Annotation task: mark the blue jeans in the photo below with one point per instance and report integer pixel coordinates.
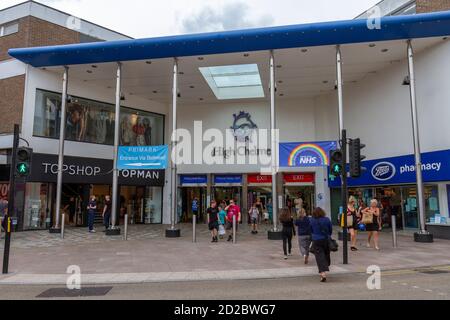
(91, 216)
(106, 219)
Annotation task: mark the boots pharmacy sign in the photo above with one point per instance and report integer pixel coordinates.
(306, 154)
(402, 170)
(142, 158)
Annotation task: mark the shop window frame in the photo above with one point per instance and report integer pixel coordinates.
(101, 102)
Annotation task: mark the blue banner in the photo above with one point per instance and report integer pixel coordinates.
(193, 179)
(400, 170)
(225, 179)
(306, 154)
(142, 158)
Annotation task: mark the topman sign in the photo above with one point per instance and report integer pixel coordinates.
(90, 171)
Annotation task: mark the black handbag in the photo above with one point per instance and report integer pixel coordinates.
(332, 244)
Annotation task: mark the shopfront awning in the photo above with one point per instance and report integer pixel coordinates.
(284, 37)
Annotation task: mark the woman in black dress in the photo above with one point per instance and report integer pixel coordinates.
(352, 222)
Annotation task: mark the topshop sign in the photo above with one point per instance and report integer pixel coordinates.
(402, 170)
(90, 171)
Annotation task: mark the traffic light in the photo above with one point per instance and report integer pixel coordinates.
(23, 161)
(356, 158)
(336, 165)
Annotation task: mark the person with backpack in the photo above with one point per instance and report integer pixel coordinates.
(288, 231)
(303, 224)
(321, 230)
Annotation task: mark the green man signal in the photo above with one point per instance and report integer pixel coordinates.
(336, 166)
(23, 166)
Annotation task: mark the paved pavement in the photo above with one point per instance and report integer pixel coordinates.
(42, 258)
(398, 285)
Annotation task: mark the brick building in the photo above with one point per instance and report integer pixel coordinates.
(31, 24)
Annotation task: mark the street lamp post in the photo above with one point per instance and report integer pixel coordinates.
(113, 231)
(423, 235)
(62, 136)
(273, 234)
(343, 138)
(173, 232)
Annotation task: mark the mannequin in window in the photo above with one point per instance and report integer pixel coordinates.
(139, 130)
(148, 132)
(126, 132)
(101, 126)
(76, 122)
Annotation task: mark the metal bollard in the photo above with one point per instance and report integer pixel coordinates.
(234, 229)
(394, 231)
(125, 232)
(63, 222)
(194, 228)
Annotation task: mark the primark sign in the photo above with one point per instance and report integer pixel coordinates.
(402, 170)
(78, 170)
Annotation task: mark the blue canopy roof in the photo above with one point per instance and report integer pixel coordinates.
(295, 36)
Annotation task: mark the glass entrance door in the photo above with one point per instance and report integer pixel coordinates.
(188, 196)
(306, 193)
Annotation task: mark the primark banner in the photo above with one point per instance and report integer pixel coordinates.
(401, 170)
(79, 170)
(306, 154)
(143, 158)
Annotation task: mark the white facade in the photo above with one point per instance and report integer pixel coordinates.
(377, 109)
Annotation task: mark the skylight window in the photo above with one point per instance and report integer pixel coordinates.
(234, 82)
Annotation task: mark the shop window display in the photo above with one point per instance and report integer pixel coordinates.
(37, 206)
(93, 121)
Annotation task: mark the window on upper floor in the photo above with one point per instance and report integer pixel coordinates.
(9, 28)
(93, 121)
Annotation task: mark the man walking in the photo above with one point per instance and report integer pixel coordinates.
(233, 210)
(107, 212)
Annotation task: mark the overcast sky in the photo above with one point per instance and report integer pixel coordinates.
(147, 18)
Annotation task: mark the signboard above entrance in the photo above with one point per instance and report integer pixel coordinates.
(259, 179)
(142, 158)
(292, 178)
(306, 154)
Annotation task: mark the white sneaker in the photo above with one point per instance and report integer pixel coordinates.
(285, 257)
(368, 245)
(92, 231)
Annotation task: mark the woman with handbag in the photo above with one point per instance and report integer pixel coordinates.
(321, 231)
(371, 220)
(352, 222)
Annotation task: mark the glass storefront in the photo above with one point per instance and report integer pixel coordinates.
(306, 193)
(93, 122)
(401, 201)
(228, 193)
(37, 210)
(188, 195)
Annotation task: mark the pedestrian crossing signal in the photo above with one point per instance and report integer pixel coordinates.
(23, 158)
(22, 168)
(336, 166)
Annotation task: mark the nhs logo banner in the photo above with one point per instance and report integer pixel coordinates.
(306, 154)
(399, 170)
(142, 158)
